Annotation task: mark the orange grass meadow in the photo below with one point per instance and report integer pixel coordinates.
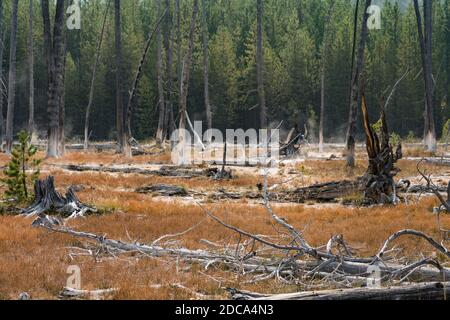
(36, 260)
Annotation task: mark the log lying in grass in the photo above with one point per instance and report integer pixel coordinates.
(420, 291)
(47, 199)
(74, 294)
(165, 171)
(164, 190)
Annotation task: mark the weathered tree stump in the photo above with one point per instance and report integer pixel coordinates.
(47, 199)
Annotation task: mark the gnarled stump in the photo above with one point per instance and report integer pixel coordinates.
(47, 199)
(379, 178)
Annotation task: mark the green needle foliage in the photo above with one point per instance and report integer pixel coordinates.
(23, 169)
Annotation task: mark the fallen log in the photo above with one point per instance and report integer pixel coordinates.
(420, 291)
(165, 171)
(47, 199)
(75, 294)
(164, 190)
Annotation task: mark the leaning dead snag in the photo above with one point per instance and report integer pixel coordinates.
(47, 199)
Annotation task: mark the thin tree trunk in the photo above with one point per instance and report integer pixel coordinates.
(12, 79)
(426, 46)
(94, 73)
(31, 72)
(2, 92)
(260, 65)
(62, 103)
(355, 97)
(120, 123)
(169, 124)
(187, 71)
(179, 57)
(137, 78)
(159, 68)
(209, 116)
(325, 50)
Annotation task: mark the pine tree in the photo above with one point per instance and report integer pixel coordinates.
(23, 160)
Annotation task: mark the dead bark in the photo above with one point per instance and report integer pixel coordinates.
(379, 178)
(355, 97)
(120, 122)
(186, 73)
(205, 36)
(54, 52)
(425, 39)
(164, 190)
(181, 172)
(94, 73)
(137, 78)
(169, 121)
(421, 291)
(75, 294)
(31, 70)
(264, 123)
(325, 49)
(12, 78)
(2, 83)
(159, 69)
(48, 200)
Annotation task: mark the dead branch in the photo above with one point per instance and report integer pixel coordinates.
(421, 291)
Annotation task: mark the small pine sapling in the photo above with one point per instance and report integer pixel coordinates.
(22, 170)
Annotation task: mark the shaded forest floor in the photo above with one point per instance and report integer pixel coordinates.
(35, 260)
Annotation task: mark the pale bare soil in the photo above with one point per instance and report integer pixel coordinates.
(35, 260)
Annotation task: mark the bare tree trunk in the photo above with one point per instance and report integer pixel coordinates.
(355, 97)
(137, 78)
(2, 92)
(205, 32)
(31, 72)
(120, 123)
(159, 67)
(55, 56)
(94, 73)
(426, 46)
(169, 122)
(179, 55)
(12, 79)
(187, 71)
(322, 76)
(62, 104)
(260, 65)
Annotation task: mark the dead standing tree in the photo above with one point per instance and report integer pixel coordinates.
(260, 64)
(120, 123)
(94, 73)
(324, 54)
(31, 71)
(186, 72)
(133, 91)
(425, 39)
(161, 94)
(12, 78)
(2, 83)
(205, 36)
(355, 97)
(55, 53)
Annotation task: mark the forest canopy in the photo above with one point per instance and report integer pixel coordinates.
(293, 48)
